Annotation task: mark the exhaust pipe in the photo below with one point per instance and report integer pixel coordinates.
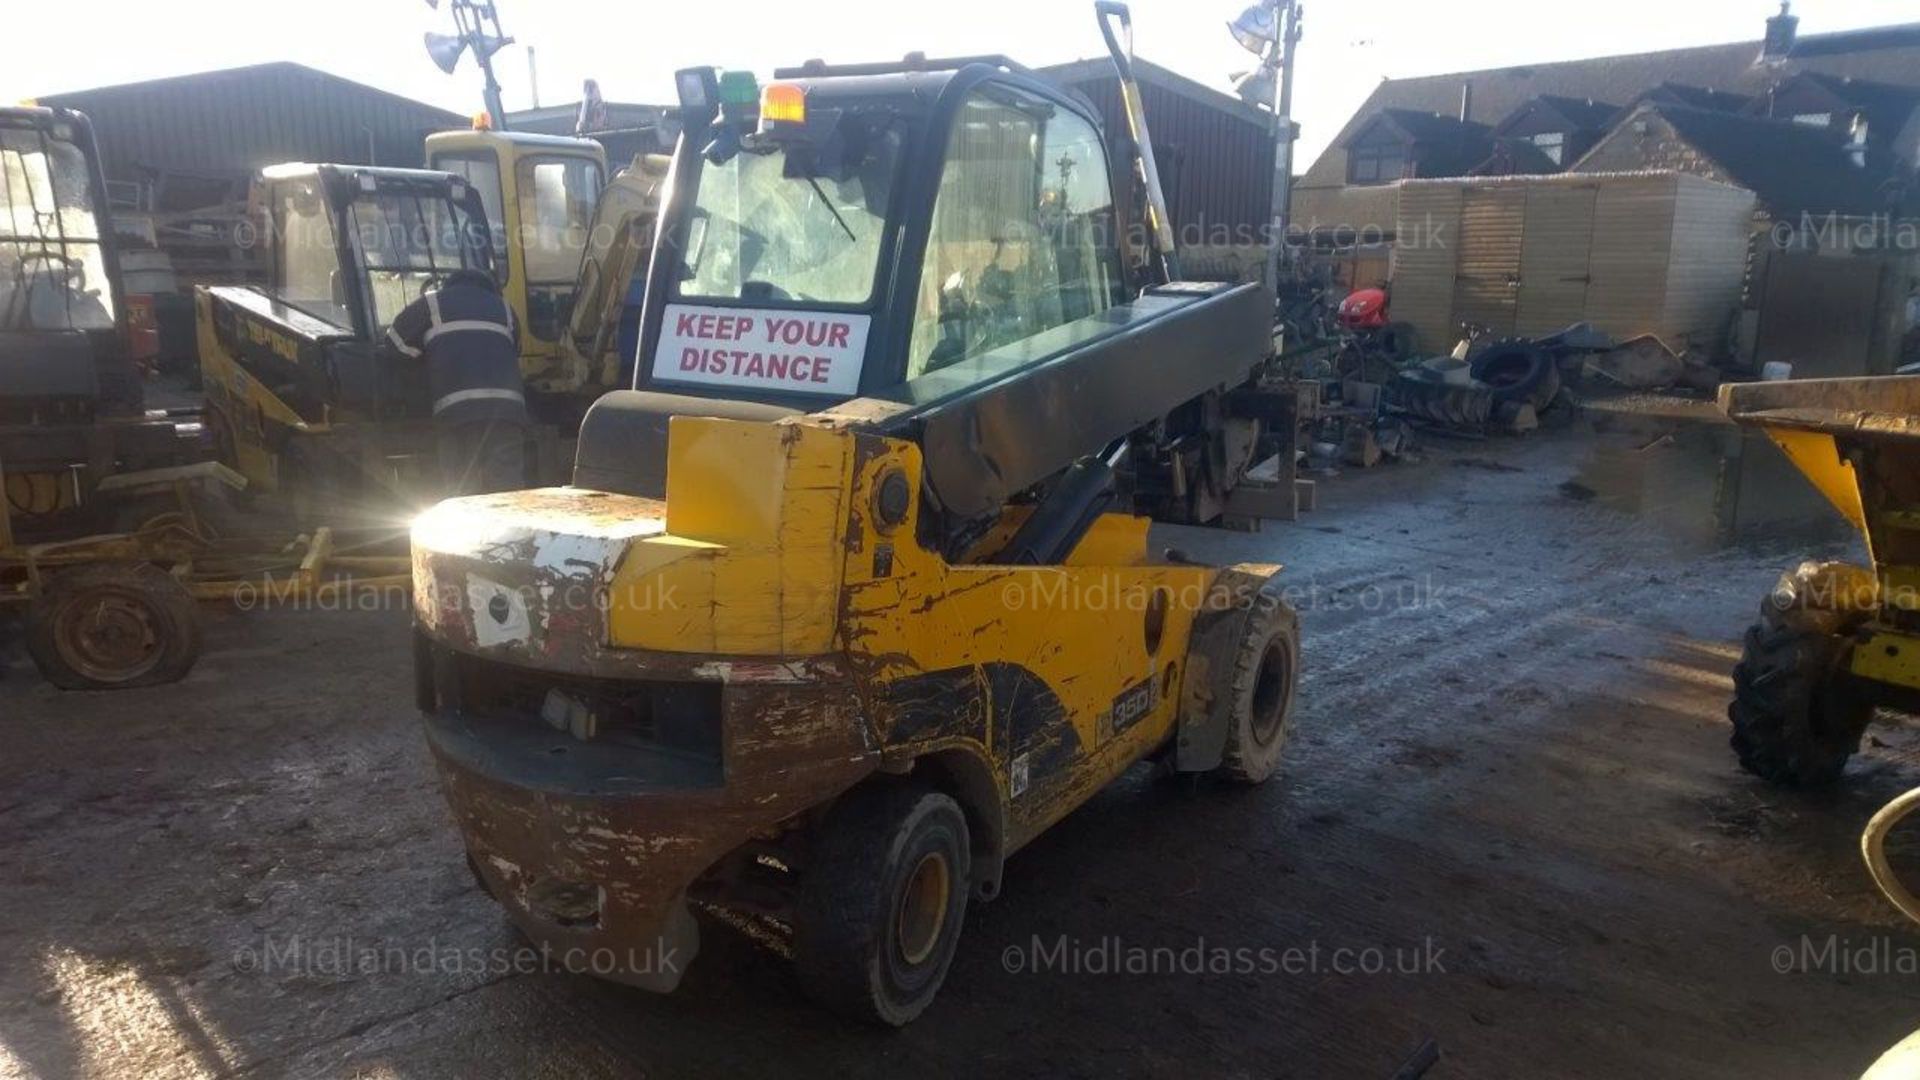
(1120, 45)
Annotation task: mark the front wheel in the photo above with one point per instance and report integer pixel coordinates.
(113, 626)
(1795, 721)
(1266, 672)
(881, 903)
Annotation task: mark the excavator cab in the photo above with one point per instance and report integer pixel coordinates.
(539, 193)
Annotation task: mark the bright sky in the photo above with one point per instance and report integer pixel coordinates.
(633, 47)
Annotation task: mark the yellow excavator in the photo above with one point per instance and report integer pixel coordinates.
(853, 595)
(306, 398)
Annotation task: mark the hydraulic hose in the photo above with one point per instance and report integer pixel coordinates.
(1873, 844)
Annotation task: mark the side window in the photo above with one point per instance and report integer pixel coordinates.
(483, 172)
(556, 211)
(1023, 231)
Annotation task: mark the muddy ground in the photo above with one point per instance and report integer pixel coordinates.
(1510, 787)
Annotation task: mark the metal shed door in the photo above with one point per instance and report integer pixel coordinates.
(1486, 283)
(1554, 257)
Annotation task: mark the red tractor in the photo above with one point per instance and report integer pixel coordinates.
(1373, 346)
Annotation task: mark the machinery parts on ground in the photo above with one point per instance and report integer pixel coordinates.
(116, 610)
(1834, 641)
(1372, 347)
(1503, 383)
(847, 604)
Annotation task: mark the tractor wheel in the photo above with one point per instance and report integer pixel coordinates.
(113, 626)
(1794, 723)
(1519, 371)
(881, 903)
(1265, 673)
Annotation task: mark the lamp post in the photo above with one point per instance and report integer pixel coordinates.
(478, 26)
(1270, 29)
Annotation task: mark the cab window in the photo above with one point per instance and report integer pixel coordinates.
(556, 196)
(306, 254)
(53, 270)
(483, 172)
(1022, 239)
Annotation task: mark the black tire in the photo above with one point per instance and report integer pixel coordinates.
(1266, 672)
(1795, 722)
(870, 942)
(113, 626)
(1518, 371)
(1400, 342)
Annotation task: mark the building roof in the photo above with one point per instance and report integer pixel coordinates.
(1698, 97)
(1515, 157)
(1792, 168)
(232, 122)
(1100, 69)
(620, 116)
(251, 73)
(1889, 53)
(1886, 106)
(1585, 114)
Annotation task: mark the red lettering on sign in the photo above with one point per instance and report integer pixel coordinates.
(839, 340)
(820, 366)
(777, 366)
(684, 325)
(689, 358)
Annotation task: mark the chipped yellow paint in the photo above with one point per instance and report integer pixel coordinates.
(1888, 656)
(242, 402)
(1817, 456)
(750, 564)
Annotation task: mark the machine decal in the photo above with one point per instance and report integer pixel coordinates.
(1131, 705)
(805, 351)
(499, 614)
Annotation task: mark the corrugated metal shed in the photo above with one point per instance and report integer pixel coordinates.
(236, 121)
(1215, 152)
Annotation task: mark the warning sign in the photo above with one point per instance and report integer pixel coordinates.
(803, 351)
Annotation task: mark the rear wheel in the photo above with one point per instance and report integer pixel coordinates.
(1795, 720)
(113, 626)
(881, 903)
(1266, 672)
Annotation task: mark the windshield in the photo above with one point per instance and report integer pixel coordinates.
(766, 228)
(409, 240)
(53, 272)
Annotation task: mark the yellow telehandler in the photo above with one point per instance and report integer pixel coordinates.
(853, 595)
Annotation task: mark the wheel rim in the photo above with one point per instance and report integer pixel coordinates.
(109, 636)
(1272, 686)
(923, 908)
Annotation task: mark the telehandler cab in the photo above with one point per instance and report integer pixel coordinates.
(853, 596)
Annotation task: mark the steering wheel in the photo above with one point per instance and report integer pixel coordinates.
(76, 271)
